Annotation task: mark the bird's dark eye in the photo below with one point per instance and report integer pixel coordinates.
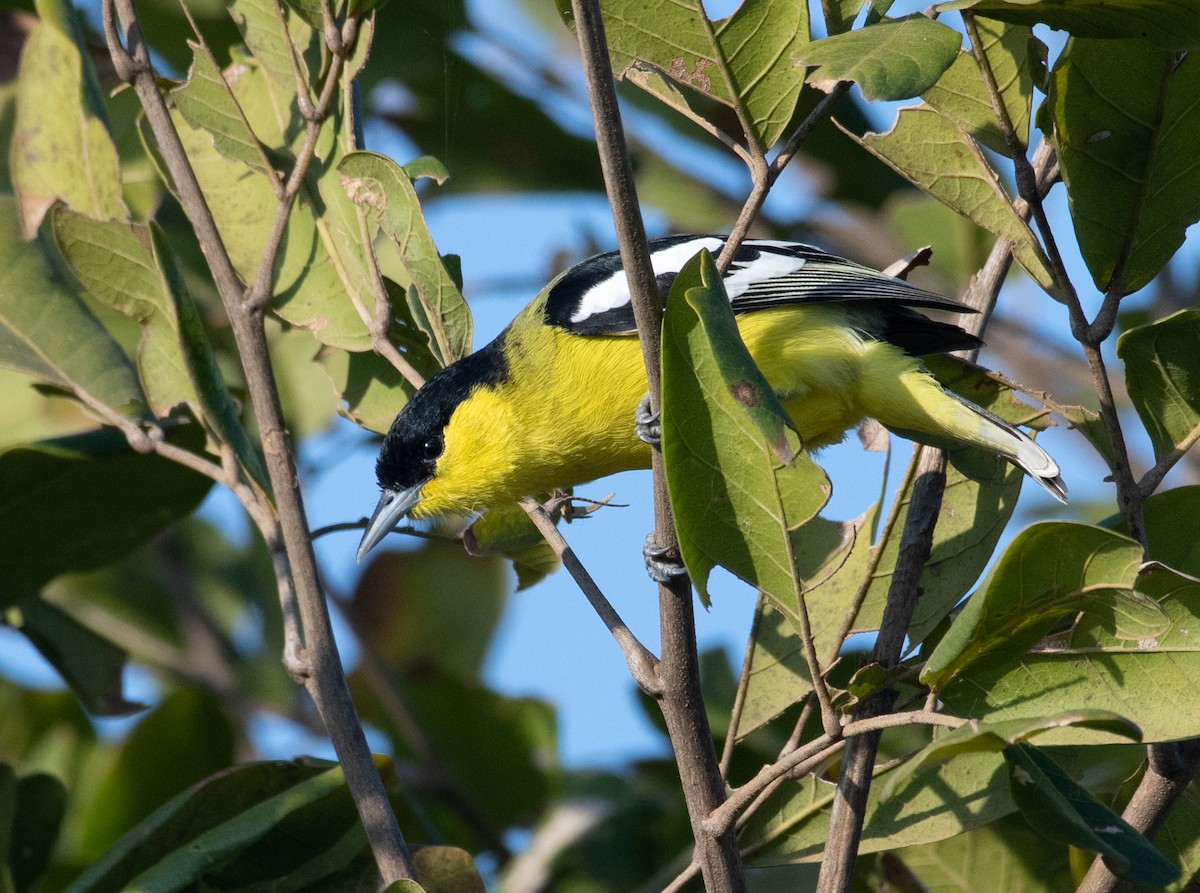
(432, 448)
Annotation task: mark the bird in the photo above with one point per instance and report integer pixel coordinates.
(550, 402)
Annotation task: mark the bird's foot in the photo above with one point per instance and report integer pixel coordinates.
(662, 565)
(647, 424)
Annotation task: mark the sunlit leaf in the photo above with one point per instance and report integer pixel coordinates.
(748, 59)
(1049, 571)
(1145, 680)
(47, 332)
(889, 60)
(385, 192)
(60, 120)
(931, 151)
(962, 96)
(1163, 379)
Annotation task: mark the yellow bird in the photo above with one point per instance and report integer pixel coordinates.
(550, 402)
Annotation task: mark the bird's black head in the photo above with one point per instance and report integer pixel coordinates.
(416, 439)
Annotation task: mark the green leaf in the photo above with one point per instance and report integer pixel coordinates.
(1162, 374)
(1050, 570)
(47, 332)
(1127, 106)
(383, 189)
(90, 664)
(207, 103)
(739, 485)
(41, 804)
(931, 151)
(79, 502)
(435, 606)
(833, 556)
(1004, 855)
(321, 273)
(130, 268)
(961, 95)
(973, 737)
(1144, 680)
(1173, 529)
(272, 43)
(889, 60)
(284, 825)
(61, 148)
(939, 802)
(1174, 24)
(191, 727)
(747, 60)
(1059, 809)
(447, 869)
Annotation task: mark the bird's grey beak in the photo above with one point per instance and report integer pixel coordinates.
(393, 505)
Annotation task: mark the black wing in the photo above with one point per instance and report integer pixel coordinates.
(592, 298)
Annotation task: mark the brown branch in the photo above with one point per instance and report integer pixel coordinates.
(849, 805)
(679, 697)
(326, 683)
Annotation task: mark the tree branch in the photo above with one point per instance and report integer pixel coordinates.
(679, 697)
(327, 683)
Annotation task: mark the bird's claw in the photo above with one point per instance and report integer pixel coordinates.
(662, 565)
(647, 424)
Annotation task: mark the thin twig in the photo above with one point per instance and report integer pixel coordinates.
(642, 663)
(326, 683)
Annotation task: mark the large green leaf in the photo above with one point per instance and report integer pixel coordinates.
(1059, 809)
(89, 663)
(889, 60)
(1145, 680)
(130, 268)
(747, 60)
(1174, 24)
(207, 103)
(962, 96)
(189, 726)
(435, 606)
(1004, 855)
(40, 802)
(740, 486)
(1127, 133)
(284, 825)
(940, 801)
(1049, 571)
(61, 147)
(47, 332)
(1162, 373)
(80, 502)
(935, 154)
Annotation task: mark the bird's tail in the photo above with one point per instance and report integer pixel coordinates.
(924, 411)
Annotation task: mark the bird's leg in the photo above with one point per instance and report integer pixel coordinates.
(647, 424)
(662, 565)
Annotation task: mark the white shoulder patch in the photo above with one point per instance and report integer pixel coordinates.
(613, 292)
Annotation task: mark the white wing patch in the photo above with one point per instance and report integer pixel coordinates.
(613, 292)
(768, 265)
